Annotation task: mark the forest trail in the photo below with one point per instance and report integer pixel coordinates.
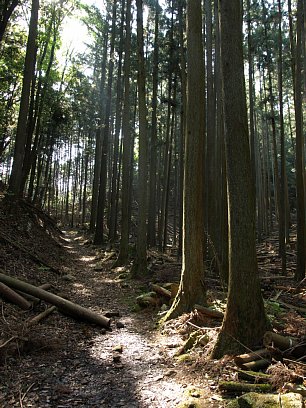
(73, 364)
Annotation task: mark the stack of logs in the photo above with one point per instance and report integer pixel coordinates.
(276, 348)
(26, 295)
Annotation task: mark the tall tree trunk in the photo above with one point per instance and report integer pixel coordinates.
(140, 263)
(192, 287)
(299, 156)
(282, 214)
(126, 153)
(115, 170)
(153, 145)
(15, 183)
(99, 136)
(99, 230)
(245, 303)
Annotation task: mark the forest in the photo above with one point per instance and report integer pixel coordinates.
(152, 203)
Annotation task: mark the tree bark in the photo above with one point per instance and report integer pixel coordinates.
(140, 264)
(126, 153)
(245, 303)
(15, 183)
(192, 288)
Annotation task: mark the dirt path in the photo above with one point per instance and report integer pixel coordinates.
(70, 364)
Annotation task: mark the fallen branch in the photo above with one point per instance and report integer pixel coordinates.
(65, 306)
(41, 316)
(8, 341)
(10, 295)
(209, 312)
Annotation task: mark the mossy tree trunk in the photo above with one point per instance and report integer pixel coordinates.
(245, 319)
(192, 288)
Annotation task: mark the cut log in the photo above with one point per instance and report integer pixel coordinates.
(65, 306)
(248, 357)
(238, 387)
(161, 291)
(209, 312)
(276, 340)
(10, 295)
(41, 316)
(256, 365)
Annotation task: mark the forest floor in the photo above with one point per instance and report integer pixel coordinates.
(66, 363)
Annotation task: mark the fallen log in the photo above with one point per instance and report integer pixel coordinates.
(253, 376)
(256, 365)
(10, 295)
(41, 316)
(31, 298)
(253, 356)
(209, 312)
(161, 291)
(271, 339)
(238, 387)
(65, 306)
(292, 307)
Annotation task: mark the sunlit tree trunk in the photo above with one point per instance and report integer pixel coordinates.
(99, 230)
(126, 152)
(245, 320)
(192, 287)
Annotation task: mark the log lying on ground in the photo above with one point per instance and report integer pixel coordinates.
(65, 306)
(161, 291)
(41, 316)
(209, 312)
(287, 345)
(31, 298)
(293, 307)
(238, 387)
(248, 357)
(13, 297)
(253, 376)
(276, 340)
(256, 365)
